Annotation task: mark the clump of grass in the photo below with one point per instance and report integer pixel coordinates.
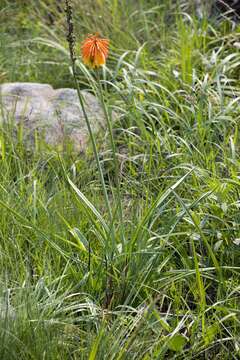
(172, 290)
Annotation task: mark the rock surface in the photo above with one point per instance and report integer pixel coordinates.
(52, 114)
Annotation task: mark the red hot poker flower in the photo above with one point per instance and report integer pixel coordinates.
(95, 51)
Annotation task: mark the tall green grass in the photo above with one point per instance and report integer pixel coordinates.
(165, 283)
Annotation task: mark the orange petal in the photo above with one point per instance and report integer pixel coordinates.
(99, 59)
(94, 50)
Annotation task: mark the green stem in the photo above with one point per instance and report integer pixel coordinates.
(115, 160)
(93, 143)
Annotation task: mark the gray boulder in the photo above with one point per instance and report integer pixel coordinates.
(53, 115)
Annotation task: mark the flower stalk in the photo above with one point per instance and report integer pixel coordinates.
(71, 44)
(115, 160)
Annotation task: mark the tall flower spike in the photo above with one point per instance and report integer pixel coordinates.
(70, 35)
(95, 51)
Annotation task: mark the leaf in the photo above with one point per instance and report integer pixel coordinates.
(218, 245)
(88, 205)
(158, 202)
(177, 342)
(211, 332)
(95, 346)
(80, 238)
(236, 241)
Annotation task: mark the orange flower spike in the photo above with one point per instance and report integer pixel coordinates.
(95, 51)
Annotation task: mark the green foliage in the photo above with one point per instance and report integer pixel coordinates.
(160, 280)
